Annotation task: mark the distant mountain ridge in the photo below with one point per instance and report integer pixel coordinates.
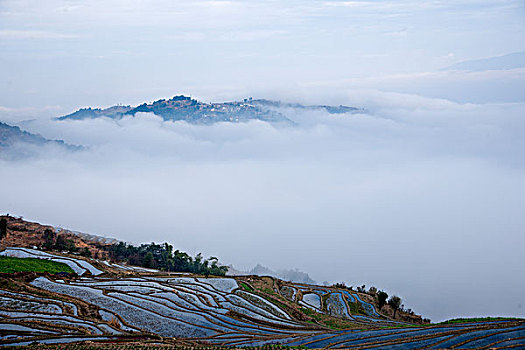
(292, 275)
(9, 135)
(22, 143)
(193, 111)
(512, 60)
(88, 113)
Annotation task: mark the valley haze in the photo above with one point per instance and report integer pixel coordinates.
(392, 198)
(418, 188)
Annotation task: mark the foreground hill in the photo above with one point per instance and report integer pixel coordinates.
(111, 302)
(193, 111)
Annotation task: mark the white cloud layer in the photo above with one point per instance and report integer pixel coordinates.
(34, 34)
(422, 197)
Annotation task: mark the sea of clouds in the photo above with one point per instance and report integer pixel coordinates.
(422, 197)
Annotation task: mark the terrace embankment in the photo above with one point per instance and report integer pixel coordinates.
(107, 304)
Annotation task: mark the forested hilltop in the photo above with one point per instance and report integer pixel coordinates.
(193, 111)
(163, 257)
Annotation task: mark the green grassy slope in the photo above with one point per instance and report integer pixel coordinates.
(10, 265)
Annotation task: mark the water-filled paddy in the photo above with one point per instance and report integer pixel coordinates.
(217, 310)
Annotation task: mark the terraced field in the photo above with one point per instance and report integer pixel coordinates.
(113, 303)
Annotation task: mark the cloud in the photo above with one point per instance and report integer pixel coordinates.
(248, 45)
(19, 114)
(417, 196)
(17, 34)
(397, 34)
(510, 61)
(228, 36)
(489, 86)
(251, 35)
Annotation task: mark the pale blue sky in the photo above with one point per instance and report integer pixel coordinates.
(65, 54)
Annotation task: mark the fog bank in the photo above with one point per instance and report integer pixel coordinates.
(421, 197)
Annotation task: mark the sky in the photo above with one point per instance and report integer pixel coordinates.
(421, 195)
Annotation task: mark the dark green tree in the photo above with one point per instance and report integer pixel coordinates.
(180, 261)
(148, 260)
(60, 243)
(49, 239)
(169, 248)
(3, 228)
(64, 244)
(86, 252)
(381, 298)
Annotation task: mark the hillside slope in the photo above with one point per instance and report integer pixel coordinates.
(111, 302)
